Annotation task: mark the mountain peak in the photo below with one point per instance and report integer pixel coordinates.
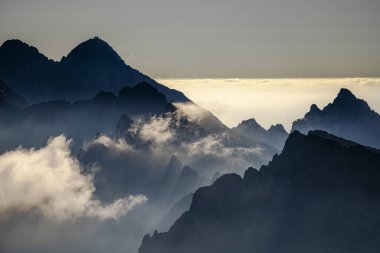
(95, 41)
(91, 66)
(250, 121)
(345, 93)
(19, 51)
(250, 124)
(277, 128)
(347, 116)
(275, 136)
(345, 96)
(314, 108)
(14, 43)
(347, 101)
(93, 49)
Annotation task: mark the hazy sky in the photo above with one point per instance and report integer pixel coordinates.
(210, 38)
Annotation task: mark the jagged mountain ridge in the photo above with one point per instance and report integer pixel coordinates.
(347, 117)
(276, 135)
(80, 119)
(318, 195)
(190, 128)
(90, 67)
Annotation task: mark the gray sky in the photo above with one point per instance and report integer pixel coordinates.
(210, 38)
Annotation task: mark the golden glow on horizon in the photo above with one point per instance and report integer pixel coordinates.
(271, 101)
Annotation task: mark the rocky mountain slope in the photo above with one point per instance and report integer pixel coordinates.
(321, 194)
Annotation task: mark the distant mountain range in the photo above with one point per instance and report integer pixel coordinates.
(347, 117)
(276, 135)
(321, 194)
(90, 67)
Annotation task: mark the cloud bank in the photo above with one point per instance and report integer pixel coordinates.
(49, 181)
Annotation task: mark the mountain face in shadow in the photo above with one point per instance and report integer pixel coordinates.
(347, 116)
(7, 95)
(79, 120)
(90, 67)
(321, 194)
(27, 71)
(276, 135)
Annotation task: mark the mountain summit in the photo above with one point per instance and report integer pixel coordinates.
(275, 135)
(94, 49)
(347, 116)
(90, 67)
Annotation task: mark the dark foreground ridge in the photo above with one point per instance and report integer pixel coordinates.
(321, 194)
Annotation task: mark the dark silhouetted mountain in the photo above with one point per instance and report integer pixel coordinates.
(275, 136)
(321, 194)
(27, 71)
(8, 95)
(347, 116)
(144, 97)
(82, 119)
(90, 67)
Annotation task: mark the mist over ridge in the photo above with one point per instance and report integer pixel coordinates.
(96, 156)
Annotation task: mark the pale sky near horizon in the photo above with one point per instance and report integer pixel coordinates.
(271, 101)
(210, 38)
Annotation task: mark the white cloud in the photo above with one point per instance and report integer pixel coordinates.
(192, 111)
(232, 159)
(156, 130)
(212, 144)
(119, 144)
(49, 180)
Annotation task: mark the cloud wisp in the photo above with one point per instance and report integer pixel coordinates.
(183, 134)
